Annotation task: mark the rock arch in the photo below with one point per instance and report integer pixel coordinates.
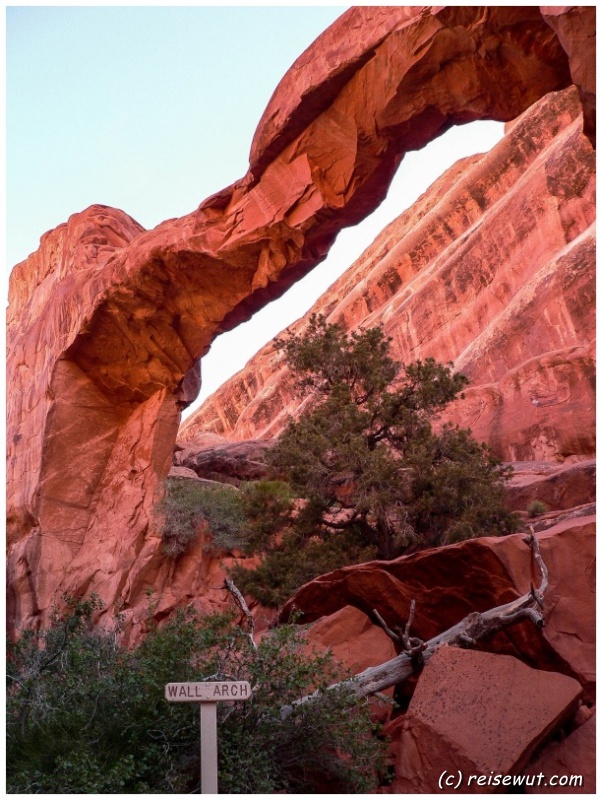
(107, 321)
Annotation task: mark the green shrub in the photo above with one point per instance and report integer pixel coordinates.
(536, 509)
(182, 516)
(223, 510)
(186, 504)
(268, 507)
(84, 715)
(290, 563)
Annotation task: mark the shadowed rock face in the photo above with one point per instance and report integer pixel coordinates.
(451, 582)
(107, 321)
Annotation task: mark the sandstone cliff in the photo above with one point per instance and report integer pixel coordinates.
(106, 321)
(493, 269)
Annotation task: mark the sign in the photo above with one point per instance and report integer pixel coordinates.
(207, 694)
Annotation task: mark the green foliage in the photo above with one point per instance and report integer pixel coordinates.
(182, 516)
(186, 504)
(458, 489)
(536, 508)
(267, 508)
(329, 741)
(223, 510)
(85, 715)
(291, 562)
(372, 474)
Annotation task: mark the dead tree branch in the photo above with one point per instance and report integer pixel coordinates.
(466, 633)
(394, 635)
(412, 646)
(242, 605)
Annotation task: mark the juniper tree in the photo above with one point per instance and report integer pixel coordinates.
(373, 473)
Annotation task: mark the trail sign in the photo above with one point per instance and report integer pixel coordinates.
(208, 694)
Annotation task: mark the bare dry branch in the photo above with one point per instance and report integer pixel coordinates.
(411, 645)
(391, 634)
(242, 605)
(406, 633)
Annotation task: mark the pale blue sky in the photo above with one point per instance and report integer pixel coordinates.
(147, 109)
(153, 109)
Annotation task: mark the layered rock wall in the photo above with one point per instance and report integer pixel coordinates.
(106, 321)
(493, 269)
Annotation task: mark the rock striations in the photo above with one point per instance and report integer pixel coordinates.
(492, 268)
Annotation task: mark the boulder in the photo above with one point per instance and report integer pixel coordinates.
(353, 639)
(448, 583)
(475, 719)
(231, 462)
(183, 472)
(567, 766)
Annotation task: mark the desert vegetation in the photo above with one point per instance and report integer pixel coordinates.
(536, 508)
(186, 504)
(366, 471)
(372, 475)
(86, 715)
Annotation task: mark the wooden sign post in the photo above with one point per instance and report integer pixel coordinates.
(208, 694)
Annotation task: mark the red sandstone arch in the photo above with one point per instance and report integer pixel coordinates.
(107, 321)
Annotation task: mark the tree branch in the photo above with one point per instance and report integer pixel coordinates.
(390, 633)
(339, 526)
(241, 603)
(412, 646)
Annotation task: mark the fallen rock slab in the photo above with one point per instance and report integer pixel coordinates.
(475, 718)
(448, 583)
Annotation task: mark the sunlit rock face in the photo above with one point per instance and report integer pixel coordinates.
(107, 321)
(493, 269)
(453, 722)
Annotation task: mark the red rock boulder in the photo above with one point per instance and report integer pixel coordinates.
(450, 582)
(474, 720)
(353, 639)
(569, 765)
(230, 462)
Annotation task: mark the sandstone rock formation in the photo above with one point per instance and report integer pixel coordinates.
(575, 756)
(106, 321)
(449, 583)
(493, 268)
(579, 42)
(477, 714)
(558, 487)
(354, 640)
(228, 462)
